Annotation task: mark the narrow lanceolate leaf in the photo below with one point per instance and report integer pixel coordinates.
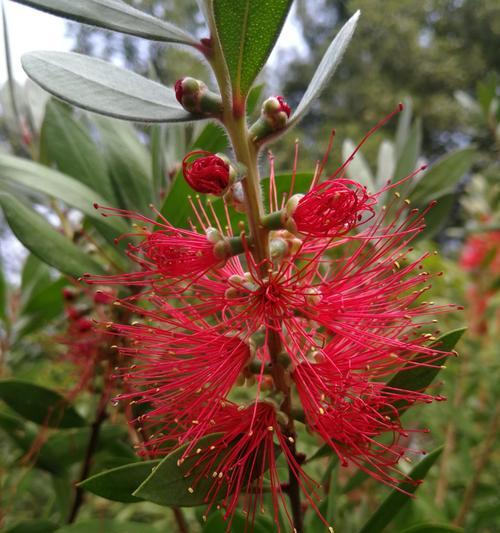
(114, 15)
(247, 30)
(358, 169)
(418, 378)
(129, 163)
(101, 87)
(171, 484)
(44, 241)
(66, 143)
(443, 177)
(397, 499)
(39, 178)
(119, 483)
(39, 404)
(326, 68)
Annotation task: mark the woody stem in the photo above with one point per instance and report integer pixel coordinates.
(247, 154)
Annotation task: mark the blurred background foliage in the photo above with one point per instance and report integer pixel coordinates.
(441, 58)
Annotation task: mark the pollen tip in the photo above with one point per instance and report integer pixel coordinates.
(401, 106)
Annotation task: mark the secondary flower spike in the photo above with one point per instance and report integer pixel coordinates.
(207, 173)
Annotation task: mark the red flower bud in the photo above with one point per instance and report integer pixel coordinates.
(207, 173)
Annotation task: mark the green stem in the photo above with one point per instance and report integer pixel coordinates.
(247, 154)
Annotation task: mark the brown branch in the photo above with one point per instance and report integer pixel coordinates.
(100, 417)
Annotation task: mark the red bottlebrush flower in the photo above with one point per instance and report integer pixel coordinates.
(242, 455)
(331, 209)
(206, 173)
(335, 316)
(184, 370)
(169, 252)
(482, 251)
(348, 406)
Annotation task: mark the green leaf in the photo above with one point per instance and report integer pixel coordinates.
(114, 15)
(437, 217)
(433, 528)
(65, 448)
(404, 125)
(169, 485)
(65, 142)
(158, 166)
(386, 163)
(39, 178)
(33, 526)
(396, 500)
(326, 68)
(217, 524)
(118, 484)
(248, 30)
(442, 177)
(358, 169)
(107, 526)
(418, 378)
(44, 241)
(39, 404)
(101, 87)
(410, 152)
(129, 163)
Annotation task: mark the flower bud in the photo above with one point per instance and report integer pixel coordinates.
(195, 97)
(207, 173)
(274, 116)
(276, 112)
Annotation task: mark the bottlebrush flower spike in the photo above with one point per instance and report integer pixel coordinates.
(169, 252)
(207, 173)
(302, 323)
(331, 209)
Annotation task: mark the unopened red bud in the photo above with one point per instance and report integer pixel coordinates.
(207, 173)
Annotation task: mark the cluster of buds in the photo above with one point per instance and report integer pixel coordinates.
(324, 318)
